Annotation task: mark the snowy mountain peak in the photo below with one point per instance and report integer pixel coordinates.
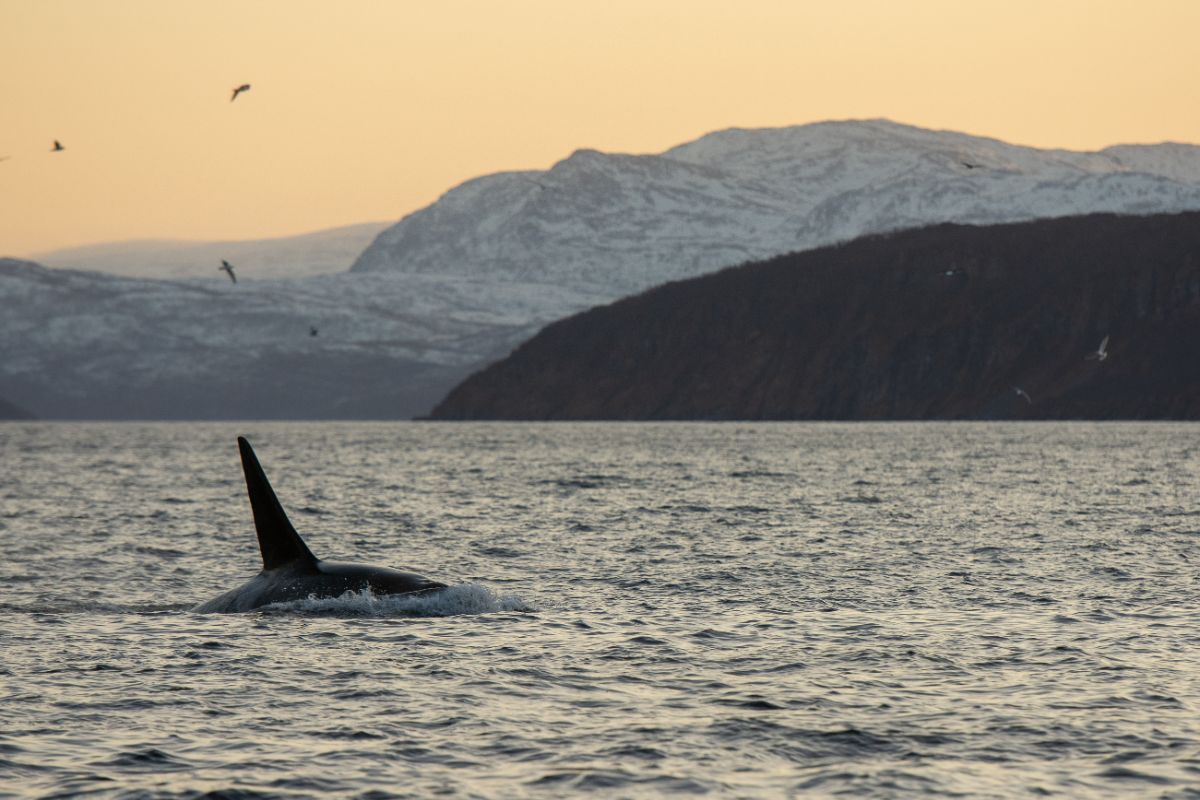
(619, 223)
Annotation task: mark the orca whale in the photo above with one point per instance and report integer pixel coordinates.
(290, 570)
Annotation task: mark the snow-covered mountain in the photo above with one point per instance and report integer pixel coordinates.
(622, 223)
(318, 253)
(459, 283)
(90, 345)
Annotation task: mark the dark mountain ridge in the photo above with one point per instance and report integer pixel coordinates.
(934, 323)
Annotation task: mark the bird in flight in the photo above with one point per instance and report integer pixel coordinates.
(245, 87)
(57, 146)
(228, 268)
(1101, 351)
(1019, 392)
(312, 331)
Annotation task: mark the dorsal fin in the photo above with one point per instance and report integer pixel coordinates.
(277, 539)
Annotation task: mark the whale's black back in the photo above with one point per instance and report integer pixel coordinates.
(290, 570)
(277, 539)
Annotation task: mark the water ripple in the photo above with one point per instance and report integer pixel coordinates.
(636, 610)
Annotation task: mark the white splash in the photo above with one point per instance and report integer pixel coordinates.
(461, 599)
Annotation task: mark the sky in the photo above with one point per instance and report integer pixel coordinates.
(366, 110)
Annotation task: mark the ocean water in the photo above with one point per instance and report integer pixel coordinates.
(637, 610)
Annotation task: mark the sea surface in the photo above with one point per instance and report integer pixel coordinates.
(637, 610)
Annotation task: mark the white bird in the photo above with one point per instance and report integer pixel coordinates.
(245, 87)
(227, 268)
(1101, 351)
(1022, 393)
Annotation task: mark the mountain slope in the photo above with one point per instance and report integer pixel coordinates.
(10, 411)
(318, 253)
(92, 346)
(619, 224)
(935, 323)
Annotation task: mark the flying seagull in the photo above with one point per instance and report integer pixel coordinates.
(1022, 393)
(228, 268)
(245, 87)
(1101, 351)
(57, 146)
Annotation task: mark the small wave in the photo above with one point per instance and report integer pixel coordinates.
(65, 606)
(198, 794)
(150, 550)
(495, 551)
(758, 473)
(753, 702)
(581, 481)
(1126, 774)
(643, 639)
(694, 508)
(150, 758)
(313, 511)
(609, 780)
(460, 600)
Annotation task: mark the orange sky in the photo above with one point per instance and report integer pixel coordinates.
(365, 110)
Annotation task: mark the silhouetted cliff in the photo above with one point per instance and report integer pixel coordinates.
(936, 323)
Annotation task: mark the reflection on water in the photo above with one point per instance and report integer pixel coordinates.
(638, 609)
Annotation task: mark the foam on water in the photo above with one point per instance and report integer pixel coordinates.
(461, 599)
